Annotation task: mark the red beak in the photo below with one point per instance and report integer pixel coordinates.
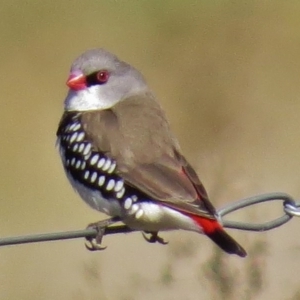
(76, 81)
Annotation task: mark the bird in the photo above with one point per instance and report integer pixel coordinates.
(122, 158)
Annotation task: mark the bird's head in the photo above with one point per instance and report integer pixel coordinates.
(99, 80)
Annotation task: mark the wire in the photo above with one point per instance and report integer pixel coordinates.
(66, 235)
(290, 209)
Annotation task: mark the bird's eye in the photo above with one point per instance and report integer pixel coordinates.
(96, 78)
(102, 76)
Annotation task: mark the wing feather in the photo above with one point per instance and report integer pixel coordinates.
(148, 157)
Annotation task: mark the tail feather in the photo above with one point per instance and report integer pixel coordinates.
(226, 242)
(214, 230)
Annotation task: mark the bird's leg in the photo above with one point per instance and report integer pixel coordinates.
(94, 243)
(154, 238)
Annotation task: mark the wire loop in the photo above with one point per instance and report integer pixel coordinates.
(290, 209)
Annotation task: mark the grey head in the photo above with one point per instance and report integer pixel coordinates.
(98, 80)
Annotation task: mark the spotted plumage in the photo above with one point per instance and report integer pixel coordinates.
(80, 161)
(91, 168)
(120, 155)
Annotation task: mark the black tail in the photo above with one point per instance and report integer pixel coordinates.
(226, 242)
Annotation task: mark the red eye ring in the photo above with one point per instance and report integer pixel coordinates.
(102, 76)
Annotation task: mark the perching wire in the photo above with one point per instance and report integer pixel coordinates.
(290, 209)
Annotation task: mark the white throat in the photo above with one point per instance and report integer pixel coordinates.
(88, 99)
(99, 97)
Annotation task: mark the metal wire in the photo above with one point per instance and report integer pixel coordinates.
(66, 235)
(290, 209)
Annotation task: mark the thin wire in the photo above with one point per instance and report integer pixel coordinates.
(290, 209)
(66, 235)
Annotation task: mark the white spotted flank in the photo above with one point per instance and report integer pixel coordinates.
(101, 163)
(119, 185)
(106, 165)
(86, 174)
(127, 203)
(101, 180)
(73, 137)
(94, 159)
(120, 194)
(87, 149)
(94, 177)
(80, 137)
(110, 185)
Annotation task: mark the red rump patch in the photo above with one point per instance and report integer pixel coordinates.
(208, 225)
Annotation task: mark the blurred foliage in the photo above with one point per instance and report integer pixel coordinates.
(226, 72)
(221, 276)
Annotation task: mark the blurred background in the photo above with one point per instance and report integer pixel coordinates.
(227, 74)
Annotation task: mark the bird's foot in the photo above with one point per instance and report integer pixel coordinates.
(94, 242)
(154, 238)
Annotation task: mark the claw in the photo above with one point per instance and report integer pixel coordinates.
(154, 238)
(94, 243)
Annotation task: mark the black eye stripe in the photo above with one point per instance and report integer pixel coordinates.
(92, 79)
(95, 79)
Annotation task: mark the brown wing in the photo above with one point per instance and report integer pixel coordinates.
(136, 134)
(174, 184)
